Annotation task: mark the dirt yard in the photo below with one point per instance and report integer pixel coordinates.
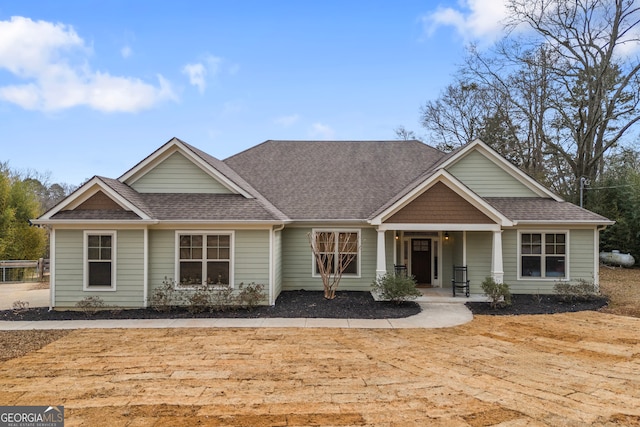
(571, 369)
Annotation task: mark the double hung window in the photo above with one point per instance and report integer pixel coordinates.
(100, 261)
(543, 255)
(204, 259)
(336, 250)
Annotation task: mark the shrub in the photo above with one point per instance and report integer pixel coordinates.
(164, 298)
(498, 293)
(580, 291)
(251, 295)
(222, 298)
(199, 300)
(20, 306)
(396, 287)
(90, 305)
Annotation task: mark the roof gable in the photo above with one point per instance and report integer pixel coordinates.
(99, 198)
(176, 173)
(439, 205)
(490, 175)
(456, 195)
(203, 175)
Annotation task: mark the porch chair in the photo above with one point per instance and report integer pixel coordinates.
(460, 280)
(400, 270)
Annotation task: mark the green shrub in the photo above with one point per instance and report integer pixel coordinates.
(498, 293)
(396, 287)
(90, 305)
(580, 291)
(251, 295)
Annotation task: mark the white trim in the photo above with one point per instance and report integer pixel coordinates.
(596, 258)
(504, 164)
(464, 247)
(381, 254)
(545, 278)
(85, 260)
(145, 271)
(176, 146)
(358, 231)
(271, 266)
(444, 177)
(439, 227)
(230, 233)
(81, 195)
(52, 269)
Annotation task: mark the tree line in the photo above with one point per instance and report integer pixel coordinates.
(558, 97)
(24, 196)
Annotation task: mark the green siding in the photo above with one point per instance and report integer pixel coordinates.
(177, 174)
(486, 179)
(129, 270)
(479, 247)
(581, 262)
(251, 257)
(297, 261)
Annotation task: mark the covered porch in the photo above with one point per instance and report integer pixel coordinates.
(429, 253)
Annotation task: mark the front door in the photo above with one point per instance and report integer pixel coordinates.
(421, 260)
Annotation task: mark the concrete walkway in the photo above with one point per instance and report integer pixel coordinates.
(439, 310)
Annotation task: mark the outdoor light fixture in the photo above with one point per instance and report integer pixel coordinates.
(446, 235)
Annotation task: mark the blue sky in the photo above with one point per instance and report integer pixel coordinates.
(91, 87)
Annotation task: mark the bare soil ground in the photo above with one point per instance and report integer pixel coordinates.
(569, 369)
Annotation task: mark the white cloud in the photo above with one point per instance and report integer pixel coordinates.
(126, 51)
(287, 121)
(319, 130)
(477, 20)
(52, 59)
(200, 72)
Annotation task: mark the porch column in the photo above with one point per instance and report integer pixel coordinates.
(381, 259)
(497, 270)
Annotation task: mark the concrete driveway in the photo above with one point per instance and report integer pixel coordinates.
(29, 292)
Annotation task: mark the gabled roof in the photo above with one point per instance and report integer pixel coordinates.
(332, 180)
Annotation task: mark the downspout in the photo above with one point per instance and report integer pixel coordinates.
(52, 268)
(145, 270)
(272, 278)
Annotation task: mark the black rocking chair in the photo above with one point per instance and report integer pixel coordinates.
(460, 280)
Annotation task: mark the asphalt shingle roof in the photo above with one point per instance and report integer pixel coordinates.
(332, 179)
(541, 209)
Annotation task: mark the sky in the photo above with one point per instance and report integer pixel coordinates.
(91, 87)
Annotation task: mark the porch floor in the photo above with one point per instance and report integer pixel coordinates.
(445, 295)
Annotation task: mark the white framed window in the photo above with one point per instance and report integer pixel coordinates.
(99, 260)
(336, 247)
(543, 254)
(204, 258)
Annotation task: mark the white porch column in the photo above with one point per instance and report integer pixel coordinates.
(497, 270)
(381, 258)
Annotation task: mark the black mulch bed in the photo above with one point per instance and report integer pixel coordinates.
(538, 304)
(346, 304)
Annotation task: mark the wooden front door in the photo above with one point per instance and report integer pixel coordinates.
(421, 260)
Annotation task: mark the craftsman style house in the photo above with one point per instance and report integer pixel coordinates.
(182, 214)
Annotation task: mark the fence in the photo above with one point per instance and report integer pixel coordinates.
(23, 270)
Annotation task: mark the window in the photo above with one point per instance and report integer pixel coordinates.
(204, 259)
(332, 245)
(543, 255)
(99, 261)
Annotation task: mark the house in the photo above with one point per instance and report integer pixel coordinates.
(182, 214)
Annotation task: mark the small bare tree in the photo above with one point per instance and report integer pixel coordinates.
(334, 252)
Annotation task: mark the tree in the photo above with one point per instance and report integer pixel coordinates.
(562, 95)
(334, 253)
(18, 204)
